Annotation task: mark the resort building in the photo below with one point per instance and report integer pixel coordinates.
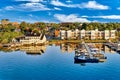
(33, 39)
(91, 34)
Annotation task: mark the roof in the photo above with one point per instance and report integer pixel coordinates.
(42, 37)
(33, 34)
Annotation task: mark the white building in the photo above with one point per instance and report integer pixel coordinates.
(33, 39)
(62, 34)
(106, 34)
(112, 34)
(82, 34)
(68, 34)
(91, 34)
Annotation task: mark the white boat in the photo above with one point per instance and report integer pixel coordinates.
(94, 50)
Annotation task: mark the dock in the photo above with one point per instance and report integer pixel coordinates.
(89, 56)
(113, 46)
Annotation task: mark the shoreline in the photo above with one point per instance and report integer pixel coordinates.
(56, 42)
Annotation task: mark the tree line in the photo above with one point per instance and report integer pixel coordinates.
(10, 31)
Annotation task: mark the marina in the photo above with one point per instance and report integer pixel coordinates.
(89, 54)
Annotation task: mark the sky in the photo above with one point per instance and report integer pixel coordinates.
(60, 10)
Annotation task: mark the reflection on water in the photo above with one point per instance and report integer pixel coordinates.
(67, 47)
(81, 53)
(56, 65)
(34, 50)
(89, 53)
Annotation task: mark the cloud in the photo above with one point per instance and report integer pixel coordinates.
(58, 3)
(0, 9)
(118, 8)
(108, 17)
(94, 5)
(34, 6)
(70, 18)
(88, 5)
(56, 8)
(31, 0)
(9, 8)
(68, 1)
(28, 7)
(30, 15)
(84, 16)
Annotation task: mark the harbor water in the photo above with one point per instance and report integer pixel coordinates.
(56, 62)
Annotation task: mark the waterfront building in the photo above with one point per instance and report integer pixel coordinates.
(57, 33)
(33, 39)
(93, 34)
(82, 34)
(76, 34)
(106, 34)
(90, 34)
(112, 34)
(69, 34)
(62, 34)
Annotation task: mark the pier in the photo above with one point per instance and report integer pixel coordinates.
(113, 46)
(92, 55)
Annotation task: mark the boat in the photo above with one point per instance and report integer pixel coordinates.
(94, 50)
(82, 57)
(89, 60)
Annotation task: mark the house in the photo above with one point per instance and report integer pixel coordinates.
(5, 21)
(57, 33)
(33, 39)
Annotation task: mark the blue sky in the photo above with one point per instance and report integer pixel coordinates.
(60, 10)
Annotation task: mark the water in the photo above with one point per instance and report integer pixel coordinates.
(55, 64)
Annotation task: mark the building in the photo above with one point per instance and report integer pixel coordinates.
(5, 21)
(106, 34)
(82, 34)
(91, 34)
(62, 34)
(33, 39)
(112, 34)
(57, 32)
